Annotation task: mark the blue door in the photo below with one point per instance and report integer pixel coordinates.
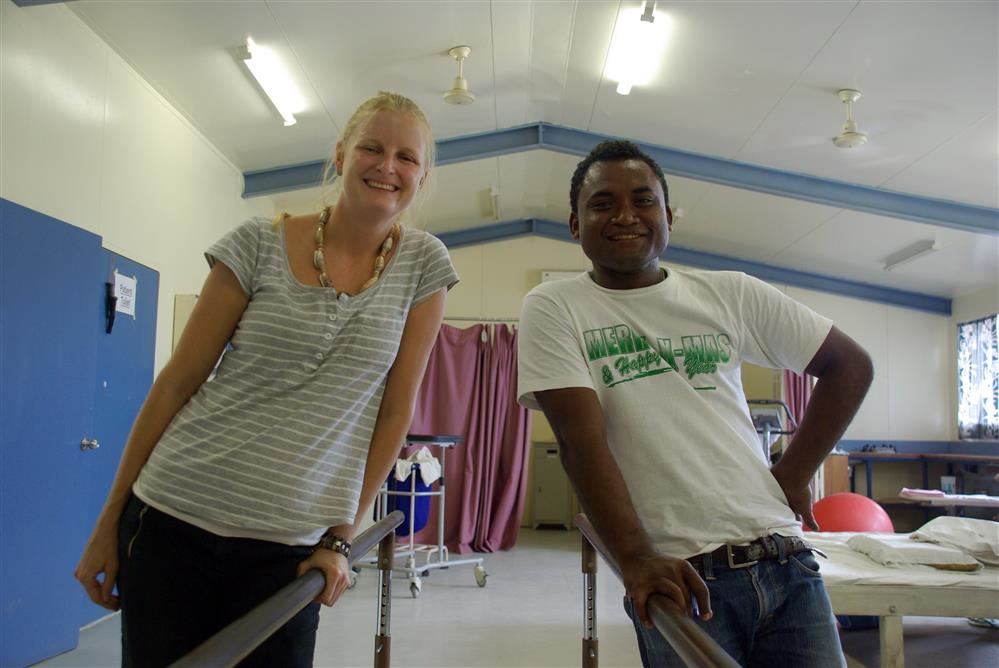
(48, 270)
(124, 374)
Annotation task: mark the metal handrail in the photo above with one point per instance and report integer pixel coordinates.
(695, 647)
(233, 643)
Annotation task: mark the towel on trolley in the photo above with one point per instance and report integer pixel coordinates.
(430, 468)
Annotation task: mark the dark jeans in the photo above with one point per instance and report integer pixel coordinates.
(179, 585)
(771, 615)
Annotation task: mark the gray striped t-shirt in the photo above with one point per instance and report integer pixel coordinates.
(275, 446)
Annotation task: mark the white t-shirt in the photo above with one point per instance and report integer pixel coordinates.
(665, 362)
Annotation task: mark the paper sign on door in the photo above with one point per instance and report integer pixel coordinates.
(124, 290)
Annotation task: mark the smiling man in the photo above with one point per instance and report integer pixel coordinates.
(638, 369)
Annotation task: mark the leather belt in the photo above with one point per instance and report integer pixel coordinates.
(744, 556)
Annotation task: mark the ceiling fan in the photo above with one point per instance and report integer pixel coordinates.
(850, 137)
(459, 93)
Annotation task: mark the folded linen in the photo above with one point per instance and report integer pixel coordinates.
(898, 550)
(908, 493)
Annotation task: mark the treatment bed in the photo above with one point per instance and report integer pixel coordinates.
(858, 585)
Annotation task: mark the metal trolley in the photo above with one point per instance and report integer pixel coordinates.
(435, 556)
(767, 420)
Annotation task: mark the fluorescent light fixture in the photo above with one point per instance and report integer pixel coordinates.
(910, 253)
(637, 47)
(274, 79)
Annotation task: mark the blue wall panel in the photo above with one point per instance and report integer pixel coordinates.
(48, 356)
(64, 380)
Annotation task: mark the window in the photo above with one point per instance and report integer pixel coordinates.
(978, 379)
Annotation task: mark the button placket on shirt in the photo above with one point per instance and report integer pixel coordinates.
(331, 329)
(334, 320)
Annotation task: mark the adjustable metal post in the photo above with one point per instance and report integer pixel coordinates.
(383, 639)
(590, 649)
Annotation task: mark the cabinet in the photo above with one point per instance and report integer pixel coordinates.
(552, 493)
(836, 474)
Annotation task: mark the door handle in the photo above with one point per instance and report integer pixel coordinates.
(89, 444)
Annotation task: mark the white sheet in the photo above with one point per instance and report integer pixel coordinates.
(845, 566)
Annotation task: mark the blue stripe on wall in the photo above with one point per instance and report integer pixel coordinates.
(854, 289)
(723, 171)
(985, 448)
(283, 179)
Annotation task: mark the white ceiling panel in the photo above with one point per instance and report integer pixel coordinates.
(298, 201)
(524, 184)
(854, 246)
(976, 182)
(686, 195)
(726, 65)
(557, 183)
(752, 81)
(927, 71)
(551, 32)
(511, 59)
(460, 198)
(748, 225)
(408, 52)
(591, 38)
(187, 52)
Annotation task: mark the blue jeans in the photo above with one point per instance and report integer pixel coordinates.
(179, 585)
(769, 615)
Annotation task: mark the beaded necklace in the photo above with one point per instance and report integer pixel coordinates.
(319, 258)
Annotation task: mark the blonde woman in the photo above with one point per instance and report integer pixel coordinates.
(227, 490)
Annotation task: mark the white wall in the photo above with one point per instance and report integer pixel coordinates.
(87, 141)
(911, 395)
(909, 398)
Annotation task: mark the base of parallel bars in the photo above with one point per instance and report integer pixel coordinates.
(591, 653)
(383, 650)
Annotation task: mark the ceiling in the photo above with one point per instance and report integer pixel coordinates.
(749, 82)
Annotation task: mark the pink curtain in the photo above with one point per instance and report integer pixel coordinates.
(470, 389)
(797, 392)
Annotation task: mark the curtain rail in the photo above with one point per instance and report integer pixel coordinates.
(233, 643)
(695, 647)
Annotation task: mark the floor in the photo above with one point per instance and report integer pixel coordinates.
(530, 614)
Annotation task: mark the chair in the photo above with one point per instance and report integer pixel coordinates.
(847, 511)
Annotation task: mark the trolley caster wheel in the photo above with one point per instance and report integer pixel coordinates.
(414, 588)
(480, 576)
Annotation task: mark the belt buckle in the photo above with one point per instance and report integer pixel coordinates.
(731, 561)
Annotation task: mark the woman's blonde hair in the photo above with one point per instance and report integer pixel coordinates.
(383, 101)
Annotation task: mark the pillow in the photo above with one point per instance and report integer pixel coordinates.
(979, 538)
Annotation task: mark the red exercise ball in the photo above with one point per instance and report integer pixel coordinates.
(847, 511)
